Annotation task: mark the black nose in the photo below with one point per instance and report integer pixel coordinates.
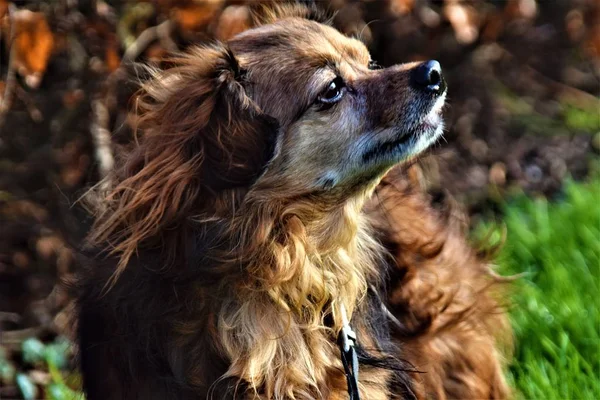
(428, 77)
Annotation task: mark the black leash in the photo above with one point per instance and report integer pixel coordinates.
(347, 343)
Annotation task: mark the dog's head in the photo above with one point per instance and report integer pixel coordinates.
(342, 120)
(291, 107)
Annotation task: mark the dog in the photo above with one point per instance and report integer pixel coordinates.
(270, 208)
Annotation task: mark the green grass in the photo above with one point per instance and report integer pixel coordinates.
(555, 306)
(571, 118)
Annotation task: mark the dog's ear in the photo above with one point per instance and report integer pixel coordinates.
(200, 135)
(200, 107)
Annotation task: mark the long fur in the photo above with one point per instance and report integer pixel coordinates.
(207, 277)
(447, 298)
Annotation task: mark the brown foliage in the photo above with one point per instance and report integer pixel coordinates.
(28, 35)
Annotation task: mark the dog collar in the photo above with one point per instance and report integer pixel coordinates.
(347, 342)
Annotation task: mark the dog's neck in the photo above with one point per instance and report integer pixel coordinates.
(302, 263)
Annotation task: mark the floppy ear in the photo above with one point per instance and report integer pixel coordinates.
(200, 135)
(200, 107)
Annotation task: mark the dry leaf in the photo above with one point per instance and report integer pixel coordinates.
(20, 259)
(195, 17)
(592, 41)
(516, 9)
(429, 17)
(592, 44)
(53, 247)
(74, 163)
(23, 209)
(40, 377)
(111, 57)
(100, 34)
(32, 44)
(72, 98)
(464, 20)
(156, 53)
(401, 7)
(3, 8)
(49, 246)
(233, 20)
(575, 25)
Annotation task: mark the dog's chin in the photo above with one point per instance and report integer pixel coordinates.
(424, 136)
(404, 144)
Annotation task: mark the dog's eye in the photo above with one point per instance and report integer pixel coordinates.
(334, 91)
(374, 65)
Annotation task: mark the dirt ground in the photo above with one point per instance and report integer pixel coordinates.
(523, 76)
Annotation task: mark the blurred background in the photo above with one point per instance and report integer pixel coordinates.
(520, 155)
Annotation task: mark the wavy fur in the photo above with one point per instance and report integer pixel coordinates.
(212, 276)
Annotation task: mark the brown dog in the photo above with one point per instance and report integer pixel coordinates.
(242, 227)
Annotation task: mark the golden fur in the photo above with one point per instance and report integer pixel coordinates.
(237, 227)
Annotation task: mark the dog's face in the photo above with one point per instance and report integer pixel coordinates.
(342, 123)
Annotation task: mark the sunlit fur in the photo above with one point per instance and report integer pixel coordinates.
(236, 227)
(445, 295)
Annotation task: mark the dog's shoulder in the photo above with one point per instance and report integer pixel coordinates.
(443, 293)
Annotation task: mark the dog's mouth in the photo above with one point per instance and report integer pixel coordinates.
(410, 142)
(387, 147)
